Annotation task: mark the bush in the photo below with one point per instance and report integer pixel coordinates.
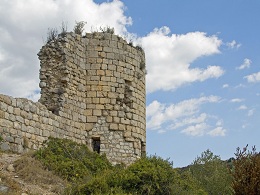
(70, 160)
(107, 30)
(52, 34)
(150, 175)
(187, 184)
(79, 27)
(212, 173)
(246, 172)
(91, 173)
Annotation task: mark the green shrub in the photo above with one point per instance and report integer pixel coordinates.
(70, 160)
(79, 27)
(212, 174)
(186, 184)
(246, 172)
(149, 175)
(91, 173)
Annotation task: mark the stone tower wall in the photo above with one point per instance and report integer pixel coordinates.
(94, 87)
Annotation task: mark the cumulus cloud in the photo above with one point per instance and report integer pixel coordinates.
(195, 130)
(253, 78)
(240, 86)
(236, 100)
(219, 123)
(218, 131)
(242, 107)
(189, 121)
(184, 116)
(233, 44)
(23, 28)
(169, 57)
(225, 86)
(24, 24)
(251, 112)
(246, 64)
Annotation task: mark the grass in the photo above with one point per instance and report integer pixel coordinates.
(32, 171)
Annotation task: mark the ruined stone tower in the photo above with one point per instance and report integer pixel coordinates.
(96, 84)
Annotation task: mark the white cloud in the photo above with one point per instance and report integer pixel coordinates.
(184, 116)
(169, 57)
(158, 113)
(219, 123)
(242, 107)
(233, 44)
(195, 130)
(225, 86)
(24, 23)
(236, 100)
(246, 64)
(188, 121)
(239, 86)
(253, 78)
(251, 112)
(161, 131)
(218, 131)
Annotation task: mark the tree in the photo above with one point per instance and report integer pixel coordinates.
(212, 174)
(246, 172)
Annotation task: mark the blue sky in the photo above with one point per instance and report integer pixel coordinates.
(202, 60)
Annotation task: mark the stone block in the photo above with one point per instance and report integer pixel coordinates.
(95, 66)
(116, 119)
(5, 99)
(91, 119)
(9, 139)
(17, 125)
(10, 109)
(109, 119)
(3, 106)
(113, 126)
(113, 113)
(18, 141)
(127, 134)
(5, 146)
(2, 114)
(97, 112)
(107, 49)
(110, 55)
(121, 127)
(46, 133)
(6, 123)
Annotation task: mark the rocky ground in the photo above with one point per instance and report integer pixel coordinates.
(23, 175)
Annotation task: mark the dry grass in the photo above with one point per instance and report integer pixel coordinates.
(13, 186)
(33, 172)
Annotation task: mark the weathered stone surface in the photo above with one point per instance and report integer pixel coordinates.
(92, 88)
(5, 146)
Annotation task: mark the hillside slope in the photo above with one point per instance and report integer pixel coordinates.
(21, 174)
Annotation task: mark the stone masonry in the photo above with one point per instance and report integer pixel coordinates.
(92, 92)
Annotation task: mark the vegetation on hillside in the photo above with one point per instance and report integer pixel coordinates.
(212, 173)
(87, 172)
(91, 173)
